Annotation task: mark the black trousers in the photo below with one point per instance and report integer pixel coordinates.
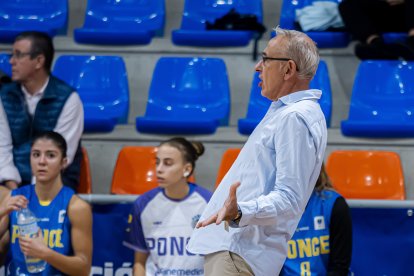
(363, 18)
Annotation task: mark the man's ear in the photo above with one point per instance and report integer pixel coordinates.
(290, 69)
(40, 61)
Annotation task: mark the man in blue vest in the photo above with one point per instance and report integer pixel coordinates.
(33, 103)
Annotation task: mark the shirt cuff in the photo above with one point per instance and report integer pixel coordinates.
(248, 210)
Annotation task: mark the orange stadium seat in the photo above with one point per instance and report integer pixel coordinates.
(85, 182)
(135, 170)
(367, 174)
(226, 162)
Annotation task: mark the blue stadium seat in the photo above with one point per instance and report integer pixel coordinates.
(196, 13)
(324, 39)
(5, 65)
(122, 22)
(382, 103)
(258, 105)
(102, 84)
(16, 16)
(187, 96)
(382, 241)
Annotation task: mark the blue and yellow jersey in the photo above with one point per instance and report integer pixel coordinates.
(54, 222)
(308, 250)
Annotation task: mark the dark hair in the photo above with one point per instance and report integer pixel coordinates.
(56, 138)
(323, 182)
(190, 150)
(41, 44)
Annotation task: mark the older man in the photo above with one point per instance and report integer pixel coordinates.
(277, 168)
(33, 103)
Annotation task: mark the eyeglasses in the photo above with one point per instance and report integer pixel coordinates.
(264, 58)
(19, 55)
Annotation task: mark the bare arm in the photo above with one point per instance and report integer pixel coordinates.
(79, 264)
(4, 225)
(139, 264)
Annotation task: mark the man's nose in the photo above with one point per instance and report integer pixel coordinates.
(12, 60)
(259, 65)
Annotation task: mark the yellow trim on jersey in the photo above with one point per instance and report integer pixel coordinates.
(44, 202)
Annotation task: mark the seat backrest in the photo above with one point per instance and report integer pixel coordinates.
(135, 170)
(229, 156)
(288, 11)
(101, 81)
(85, 181)
(129, 14)
(190, 88)
(322, 81)
(5, 64)
(258, 105)
(383, 91)
(32, 14)
(197, 12)
(366, 174)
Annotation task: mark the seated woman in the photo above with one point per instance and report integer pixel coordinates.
(163, 219)
(65, 220)
(322, 243)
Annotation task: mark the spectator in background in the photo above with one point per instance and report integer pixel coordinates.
(367, 20)
(163, 219)
(277, 168)
(35, 102)
(326, 228)
(65, 241)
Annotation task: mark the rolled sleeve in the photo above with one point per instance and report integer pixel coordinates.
(295, 163)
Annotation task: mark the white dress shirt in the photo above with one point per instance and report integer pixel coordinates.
(69, 125)
(278, 168)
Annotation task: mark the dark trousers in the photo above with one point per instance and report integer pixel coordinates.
(363, 18)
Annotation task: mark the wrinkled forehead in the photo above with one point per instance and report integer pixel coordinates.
(276, 46)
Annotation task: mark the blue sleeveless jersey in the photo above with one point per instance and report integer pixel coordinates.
(308, 250)
(55, 225)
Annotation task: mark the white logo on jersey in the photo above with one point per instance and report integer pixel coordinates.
(319, 222)
(62, 214)
(305, 228)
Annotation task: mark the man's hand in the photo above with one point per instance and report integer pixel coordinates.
(228, 212)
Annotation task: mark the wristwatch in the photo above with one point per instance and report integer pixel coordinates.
(237, 219)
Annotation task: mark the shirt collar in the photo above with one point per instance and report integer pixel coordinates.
(38, 93)
(310, 94)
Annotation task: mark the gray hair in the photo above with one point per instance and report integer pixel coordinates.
(302, 50)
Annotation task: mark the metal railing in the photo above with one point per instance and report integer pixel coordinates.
(392, 204)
